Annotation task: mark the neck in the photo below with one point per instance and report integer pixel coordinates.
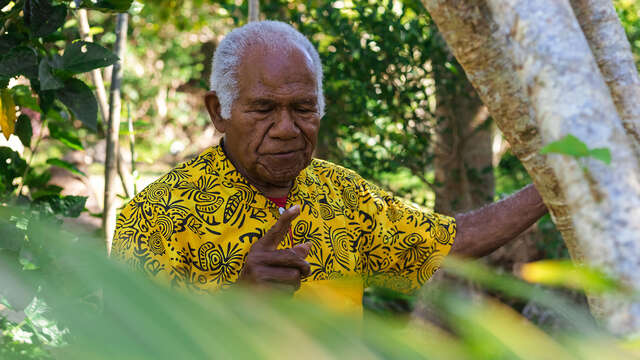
(267, 189)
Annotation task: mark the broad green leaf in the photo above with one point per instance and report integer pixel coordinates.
(19, 61)
(82, 56)
(23, 97)
(23, 130)
(568, 145)
(65, 165)
(45, 194)
(43, 18)
(7, 42)
(48, 81)
(67, 138)
(7, 113)
(79, 99)
(602, 154)
(107, 5)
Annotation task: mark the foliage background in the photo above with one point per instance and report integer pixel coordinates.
(384, 64)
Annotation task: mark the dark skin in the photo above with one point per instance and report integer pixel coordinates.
(270, 137)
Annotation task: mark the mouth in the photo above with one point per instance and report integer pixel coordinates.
(285, 154)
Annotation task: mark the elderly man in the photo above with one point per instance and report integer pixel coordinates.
(258, 210)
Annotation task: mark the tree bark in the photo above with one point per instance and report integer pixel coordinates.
(608, 42)
(254, 10)
(463, 154)
(113, 127)
(532, 66)
(470, 32)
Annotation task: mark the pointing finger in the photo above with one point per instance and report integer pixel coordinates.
(276, 234)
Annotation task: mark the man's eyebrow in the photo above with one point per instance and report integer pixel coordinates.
(260, 102)
(305, 101)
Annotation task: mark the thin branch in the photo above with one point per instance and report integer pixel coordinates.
(113, 128)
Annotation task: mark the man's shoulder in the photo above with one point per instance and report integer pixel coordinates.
(327, 170)
(189, 171)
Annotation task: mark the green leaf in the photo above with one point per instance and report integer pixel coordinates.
(568, 145)
(82, 56)
(107, 5)
(22, 97)
(79, 99)
(602, 154)
(68, 206)
(23, 130)
(48, 81)
(44, 194)
(43, 18)
(26, 260)
(19, 61)
(39, 318)
(65, 165)
(67, 138)
(8, 42)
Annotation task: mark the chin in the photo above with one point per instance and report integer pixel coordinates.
(279, 173)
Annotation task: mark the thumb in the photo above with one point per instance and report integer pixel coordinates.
(302, 250)
(276, 234)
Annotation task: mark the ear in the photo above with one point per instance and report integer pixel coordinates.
(212, 104)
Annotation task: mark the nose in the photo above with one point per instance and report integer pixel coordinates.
(285, 127)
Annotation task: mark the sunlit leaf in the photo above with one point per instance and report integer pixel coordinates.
(23, 97)
(602, 154)
(66, 137)
(65, 165)
(26, 260)
(568, 145)
(566, 273)
(7, 113)
(45, 327)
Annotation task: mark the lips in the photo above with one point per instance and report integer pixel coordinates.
(283, 152)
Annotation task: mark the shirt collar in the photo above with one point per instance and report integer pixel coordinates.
(236, 180)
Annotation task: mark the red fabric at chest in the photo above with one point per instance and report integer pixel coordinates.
(281, 202)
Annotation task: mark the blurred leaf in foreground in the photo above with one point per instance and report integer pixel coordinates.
(566, 273)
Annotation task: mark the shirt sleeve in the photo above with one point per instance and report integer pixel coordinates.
(401, 244)
(144, 237)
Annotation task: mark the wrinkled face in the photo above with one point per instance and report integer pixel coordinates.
(274, 121)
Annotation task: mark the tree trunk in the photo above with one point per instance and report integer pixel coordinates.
(469, 30)
(254, 10)
(608, 41)
(533, 68)
(113, 127)
(463, 155)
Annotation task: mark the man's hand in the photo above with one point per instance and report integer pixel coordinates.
(273, 268)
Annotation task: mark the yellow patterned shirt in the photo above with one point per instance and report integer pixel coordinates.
(195, 225)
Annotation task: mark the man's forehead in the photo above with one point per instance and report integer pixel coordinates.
(276, 68)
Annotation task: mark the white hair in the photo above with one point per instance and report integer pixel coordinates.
(228, 55)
